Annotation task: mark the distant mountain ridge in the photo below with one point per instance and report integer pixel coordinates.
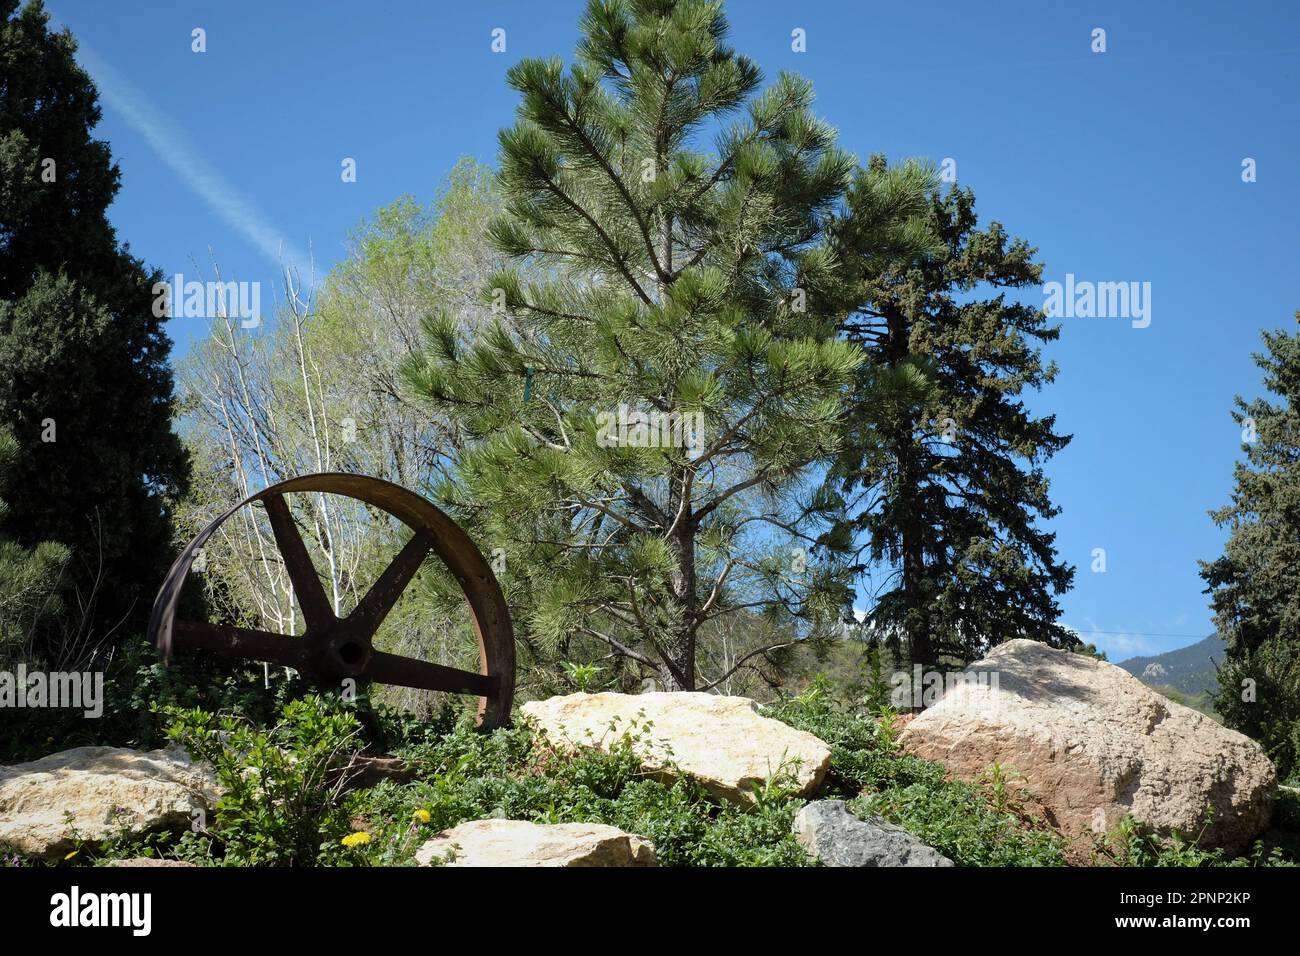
(1189, 670)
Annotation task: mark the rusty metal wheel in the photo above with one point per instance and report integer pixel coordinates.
(333, 648)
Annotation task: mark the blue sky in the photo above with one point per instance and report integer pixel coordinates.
(1120, 166)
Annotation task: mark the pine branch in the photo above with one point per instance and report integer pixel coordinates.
(619, 262)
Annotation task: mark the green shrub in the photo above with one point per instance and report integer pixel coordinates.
(514, 774)
(468, 776)
(281, 803)
(1132, 843)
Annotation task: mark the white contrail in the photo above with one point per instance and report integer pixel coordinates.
(172, 146)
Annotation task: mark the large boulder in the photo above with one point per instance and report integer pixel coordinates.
(93, 793)
(833, 836)
(520, 843)
(1091, 744)
(722, 742)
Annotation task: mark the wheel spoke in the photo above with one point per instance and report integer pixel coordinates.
(306, 582)
(383, 594)
(409, 672)
(242, 642)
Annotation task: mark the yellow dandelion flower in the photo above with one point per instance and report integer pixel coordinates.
(360, 838)
(423, 815)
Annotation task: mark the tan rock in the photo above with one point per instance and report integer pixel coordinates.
(722, 742)
(519, 843)
(1093, 744)
(92, 793)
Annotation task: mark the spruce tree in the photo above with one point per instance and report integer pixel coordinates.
(639, 423)
(86, 390)
(1255, 584)
(940, 472)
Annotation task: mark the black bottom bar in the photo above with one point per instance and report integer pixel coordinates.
(219, 904)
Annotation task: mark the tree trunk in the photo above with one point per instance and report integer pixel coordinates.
(671, 683)
(681, 647)
(915, 624)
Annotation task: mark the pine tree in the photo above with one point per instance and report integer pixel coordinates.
(639, 423)
(1255, 584)
(86, 390)
(940, 471)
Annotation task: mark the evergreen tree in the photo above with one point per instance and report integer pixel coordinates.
(637, 434)
(86, 390)
(1255, 584)
(940, 471)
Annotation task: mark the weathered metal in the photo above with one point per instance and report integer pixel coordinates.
(333, 649)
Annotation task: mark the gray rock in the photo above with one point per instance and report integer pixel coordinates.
(833, 835)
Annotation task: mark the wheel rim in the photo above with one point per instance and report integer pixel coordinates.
(334, 648)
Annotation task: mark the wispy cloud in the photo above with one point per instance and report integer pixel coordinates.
(172, 145)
